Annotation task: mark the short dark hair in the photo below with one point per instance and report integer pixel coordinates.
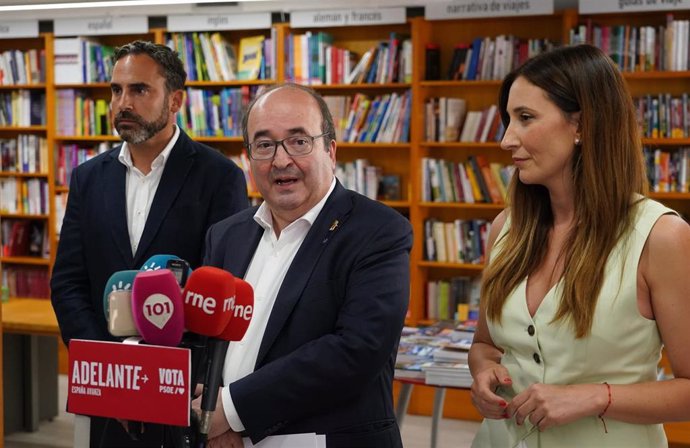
(167, 59)
(327, 126)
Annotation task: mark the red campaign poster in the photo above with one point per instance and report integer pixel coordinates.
(146, 383)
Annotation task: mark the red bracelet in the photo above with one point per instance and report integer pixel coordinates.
(601, 416)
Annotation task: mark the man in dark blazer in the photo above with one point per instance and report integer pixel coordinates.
(157, 193)
(330, 270)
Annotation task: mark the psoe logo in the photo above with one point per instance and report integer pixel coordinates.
(171, 381)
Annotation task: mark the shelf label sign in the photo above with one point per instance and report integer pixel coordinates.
(468, 9)
(603, 6)
(212, 22)
(347, 17)
(18, 28)
(101, 26)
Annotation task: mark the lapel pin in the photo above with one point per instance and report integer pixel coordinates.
(334, 225)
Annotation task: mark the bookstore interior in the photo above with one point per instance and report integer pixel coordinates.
(413, 92)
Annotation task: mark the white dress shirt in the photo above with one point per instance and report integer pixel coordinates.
(266, 272)
(141, 189)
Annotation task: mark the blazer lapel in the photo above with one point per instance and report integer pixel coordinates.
(174, 174)
(115, 200)
(237, 260)
(337, 208)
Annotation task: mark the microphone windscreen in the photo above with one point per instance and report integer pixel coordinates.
(179, 267)
(242, 312)
(208, 299)
(157, 307)
(119, 281)
(120, 320)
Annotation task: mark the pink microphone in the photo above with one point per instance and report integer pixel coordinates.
(157, 307)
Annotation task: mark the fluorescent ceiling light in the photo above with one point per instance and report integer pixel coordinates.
(109, 4)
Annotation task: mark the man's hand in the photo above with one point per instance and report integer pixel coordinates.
(219, 424)
(229, 439)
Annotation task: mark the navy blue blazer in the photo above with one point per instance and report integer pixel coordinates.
(199, 187)
(327, 357)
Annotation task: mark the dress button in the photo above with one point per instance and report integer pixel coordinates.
(530, 330)
(536, 357)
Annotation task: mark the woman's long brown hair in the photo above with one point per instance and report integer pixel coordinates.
(608, 169)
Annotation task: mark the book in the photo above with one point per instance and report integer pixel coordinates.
(68, 60)
(390, 187)
(250, 56)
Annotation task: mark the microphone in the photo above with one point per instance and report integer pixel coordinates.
(179, 267)
(157, 307)
(209, 300)
(234, 331)
(119, 281)
(119, 311)
(241, 314)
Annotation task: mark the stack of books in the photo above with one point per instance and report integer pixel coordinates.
(435, 354)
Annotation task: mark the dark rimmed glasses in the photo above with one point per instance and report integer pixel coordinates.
(295, 146)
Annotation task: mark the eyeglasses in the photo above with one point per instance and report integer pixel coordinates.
(295, 146)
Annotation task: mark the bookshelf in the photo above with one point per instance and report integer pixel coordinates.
(652, 82)
(73, 128)
(478, 95)
(27, 218)
(351, 45)
(401, 158)
(225, 134)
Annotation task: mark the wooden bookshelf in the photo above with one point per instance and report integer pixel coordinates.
(40, 44)
(643, 83)
(478, 94)
(402, 159)
(392, 158)
(481, 94)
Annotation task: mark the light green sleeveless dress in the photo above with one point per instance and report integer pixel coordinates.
(623, 348)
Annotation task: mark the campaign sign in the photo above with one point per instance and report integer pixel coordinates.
(146, 383)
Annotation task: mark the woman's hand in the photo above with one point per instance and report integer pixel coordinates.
(483, 389)
(547, 405)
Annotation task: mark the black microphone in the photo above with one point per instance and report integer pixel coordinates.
(209, 299)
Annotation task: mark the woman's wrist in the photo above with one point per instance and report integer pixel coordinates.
(606, 407)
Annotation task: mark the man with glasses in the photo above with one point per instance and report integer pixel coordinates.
(330, 272)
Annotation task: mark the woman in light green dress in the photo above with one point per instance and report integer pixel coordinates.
(587, 277)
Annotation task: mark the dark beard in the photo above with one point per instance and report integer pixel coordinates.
(145, 130)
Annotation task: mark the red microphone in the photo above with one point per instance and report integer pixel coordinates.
(218, 348)
(157, 307)
(241, 314)
(208, 298)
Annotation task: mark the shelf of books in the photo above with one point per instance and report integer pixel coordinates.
(460, 172)
(25, 173)
(364, 74)
(82, 127)
(414, 106)
(652, 51)
(226, 69)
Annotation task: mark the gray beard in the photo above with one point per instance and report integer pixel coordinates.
(146, 130)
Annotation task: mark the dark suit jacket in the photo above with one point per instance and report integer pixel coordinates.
(199, 187)
(327, 357)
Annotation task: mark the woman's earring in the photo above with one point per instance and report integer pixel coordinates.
(577, 141)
